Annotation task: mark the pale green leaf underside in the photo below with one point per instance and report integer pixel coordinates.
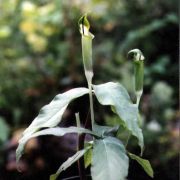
(144, 163)
(51, 114)
(115, 94)
(50, 131)
(69, 162)
(109, 161)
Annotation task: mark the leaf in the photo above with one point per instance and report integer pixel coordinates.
(103, 131)
(51, 114)
(88, 154)
(51, 131)
(115, 94)
(69, 162)
(109, 161)
(53, 176)
(88, 158)
(144, 163)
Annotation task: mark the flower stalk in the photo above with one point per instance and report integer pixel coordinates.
(86, 41)
(138, 61)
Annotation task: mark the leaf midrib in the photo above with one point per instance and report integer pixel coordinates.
(107, 157)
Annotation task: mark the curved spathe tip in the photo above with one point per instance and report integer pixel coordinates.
(84, 27)
(136, 54)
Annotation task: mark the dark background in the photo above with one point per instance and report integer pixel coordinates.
(40, 56)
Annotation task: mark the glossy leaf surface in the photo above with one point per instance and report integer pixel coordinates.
(115, 94)
(109, 160)
(51, 114)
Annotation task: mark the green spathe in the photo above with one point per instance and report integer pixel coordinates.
(138, 61)
(86, 41)
(84, 27)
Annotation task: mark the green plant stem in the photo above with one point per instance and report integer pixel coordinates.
(80, 146)
(81, 166)
(91, 104)
(81, 139)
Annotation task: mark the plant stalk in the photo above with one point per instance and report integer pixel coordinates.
(91, 104)
(81, 166)
(80, 146)
(81, 139)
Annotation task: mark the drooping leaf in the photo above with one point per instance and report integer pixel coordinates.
(115, 94)
(69, 162)
(109, 161)
(144, 163)
(50, 131)
(51, 114)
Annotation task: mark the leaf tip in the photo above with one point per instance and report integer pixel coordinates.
(144, 163)
(53, 177)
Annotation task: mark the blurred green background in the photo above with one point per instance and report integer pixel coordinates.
(40, 56)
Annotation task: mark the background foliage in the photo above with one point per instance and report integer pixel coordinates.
(40, 56)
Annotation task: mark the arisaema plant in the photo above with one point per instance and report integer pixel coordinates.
(106, 154)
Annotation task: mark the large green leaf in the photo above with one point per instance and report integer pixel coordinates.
(50, 131)
(144, 163)
(69, 162)
(51, 114)
(115, 94)
(109, 161)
